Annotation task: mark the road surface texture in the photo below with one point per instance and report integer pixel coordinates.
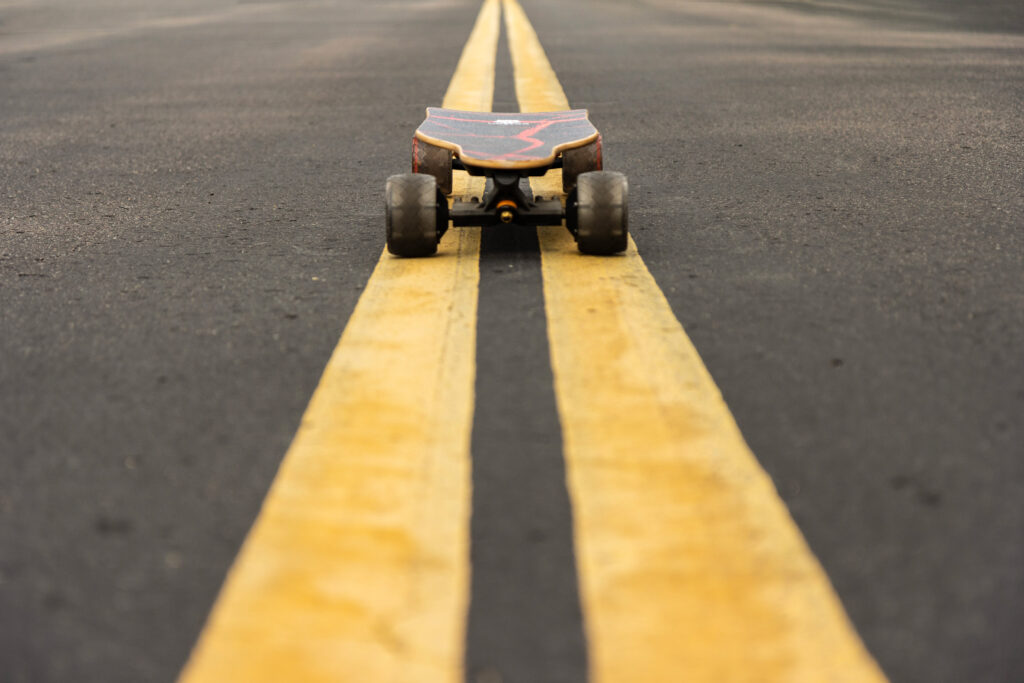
(828, 194)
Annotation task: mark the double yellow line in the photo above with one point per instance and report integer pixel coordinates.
(357, 566)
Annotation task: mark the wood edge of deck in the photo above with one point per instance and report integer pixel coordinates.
(499, 165)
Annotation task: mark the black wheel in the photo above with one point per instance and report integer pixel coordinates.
(580, 160)
(435, 161)
(416, 214)
(599, 212)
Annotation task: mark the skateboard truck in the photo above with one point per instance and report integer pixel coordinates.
(505, 202)
(506, 148)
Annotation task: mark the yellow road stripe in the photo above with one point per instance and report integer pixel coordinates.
(472, 86)
(537, 87)
(357, 566)
(690, 565)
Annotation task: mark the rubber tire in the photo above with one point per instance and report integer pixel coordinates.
(416, 214)
(600, 213)
(435, 161)
(579, 160)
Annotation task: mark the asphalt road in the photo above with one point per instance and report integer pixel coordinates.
(190, 202)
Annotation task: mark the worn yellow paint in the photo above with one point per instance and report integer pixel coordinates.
(357, 568)
(691, 568)
(472, 86)
(537, 87)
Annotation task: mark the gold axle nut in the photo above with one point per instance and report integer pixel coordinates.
(506, 210)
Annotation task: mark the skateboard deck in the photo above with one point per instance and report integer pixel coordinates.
(506, 140)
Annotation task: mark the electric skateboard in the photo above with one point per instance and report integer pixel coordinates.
(506, 148)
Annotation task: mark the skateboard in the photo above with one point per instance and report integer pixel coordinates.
(506, 148)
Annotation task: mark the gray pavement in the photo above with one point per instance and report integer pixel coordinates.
(190, 201)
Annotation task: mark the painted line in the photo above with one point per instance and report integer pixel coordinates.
(537, 86)
(357, 568)
(472, 86)
(690, 566)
